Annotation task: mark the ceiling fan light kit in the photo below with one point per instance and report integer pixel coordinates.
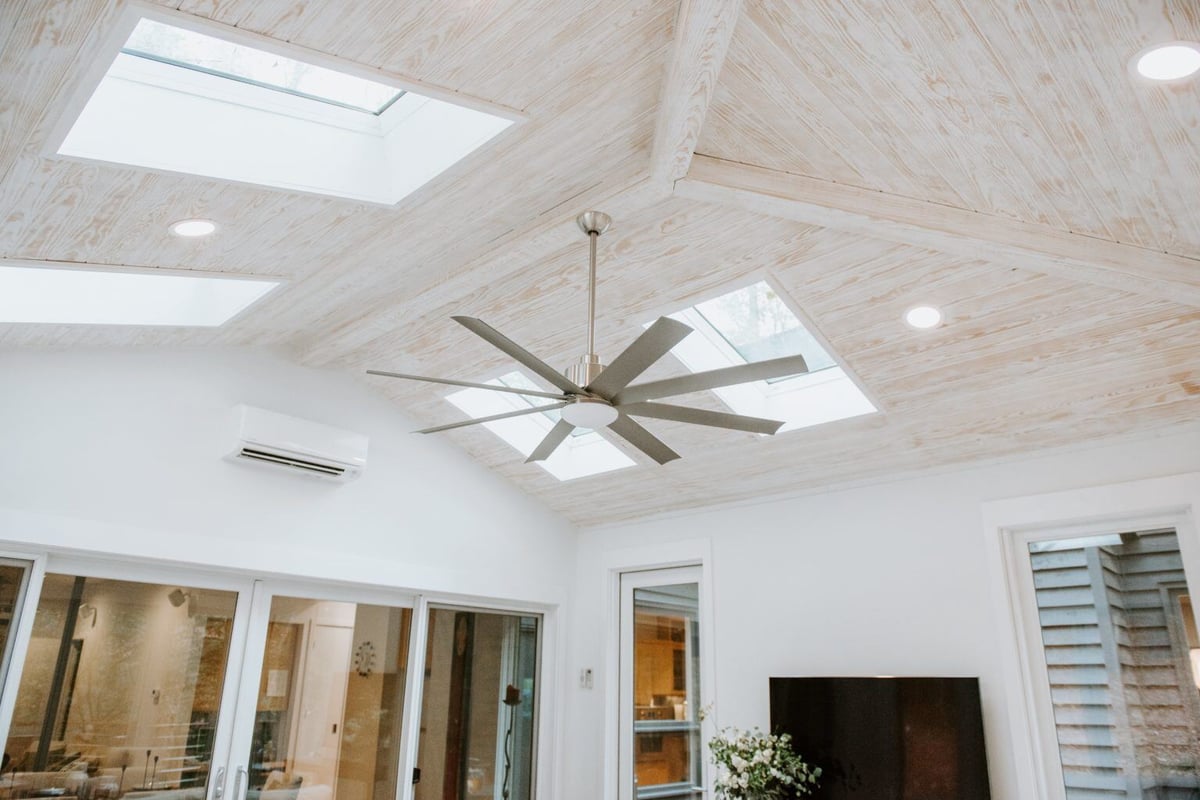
(594, 395)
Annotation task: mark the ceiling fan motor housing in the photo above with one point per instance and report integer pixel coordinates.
(584, 371)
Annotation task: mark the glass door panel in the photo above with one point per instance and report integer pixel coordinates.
(330, 699)
(14, 577)
(120, 691)
(659, 733)
(478, 706)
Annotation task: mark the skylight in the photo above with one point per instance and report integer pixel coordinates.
(754, 324)
(98, 297)
(586, 453)
(190, 96)
(191, 50)
(758, 326)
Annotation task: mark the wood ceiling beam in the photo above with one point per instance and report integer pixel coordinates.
(945, 229)
(703, 30)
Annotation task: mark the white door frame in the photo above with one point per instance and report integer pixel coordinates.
(629, 582)
(1009, 526)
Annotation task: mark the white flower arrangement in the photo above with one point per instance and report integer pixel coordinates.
(762, 766)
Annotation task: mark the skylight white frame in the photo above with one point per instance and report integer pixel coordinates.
(109, 42)
(541, 421)
(784, 387)
(279, 281)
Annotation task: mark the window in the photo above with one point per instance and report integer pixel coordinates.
(660, 753)
(186, 95)
(191, 50)
(98, 297)
(584, 453)
(1118, 643)
(754, 323)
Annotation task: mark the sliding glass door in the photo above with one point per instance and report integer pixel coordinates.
(328, 701)
(478, 706)
(139, 683)
(122, 689)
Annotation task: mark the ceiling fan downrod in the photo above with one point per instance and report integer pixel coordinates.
(588, 368)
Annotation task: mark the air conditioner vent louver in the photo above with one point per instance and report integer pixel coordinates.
(289, 461)
(277, 441)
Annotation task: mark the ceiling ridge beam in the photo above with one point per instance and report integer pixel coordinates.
(703, 31)
(946, 229)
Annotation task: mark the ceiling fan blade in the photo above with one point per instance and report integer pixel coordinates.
(727, 376)
(493, 418)
(468, 384)
(518, 353)
(642, 439)
(654, 343)
(553, 439)
(699, 416)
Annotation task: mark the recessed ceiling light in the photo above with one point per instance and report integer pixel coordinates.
(1168, 62)
(191, 228)
(923, 317)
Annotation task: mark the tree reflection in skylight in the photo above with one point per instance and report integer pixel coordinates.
(191, 50)
(758, 325)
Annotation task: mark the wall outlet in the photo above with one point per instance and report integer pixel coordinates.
(586, 679)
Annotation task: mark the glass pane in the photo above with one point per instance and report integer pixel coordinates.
(120, 691)
(330, 701)
(666, 690)
(12, 580)
(1119, 640)
(759, 326)
(477, 712)
(193, 50)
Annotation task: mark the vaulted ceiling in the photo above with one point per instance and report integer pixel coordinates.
(996, 160)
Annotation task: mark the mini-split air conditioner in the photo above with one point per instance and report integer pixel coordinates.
(269, 439)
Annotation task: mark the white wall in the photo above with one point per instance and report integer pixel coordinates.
(121, 452)
(888, 579)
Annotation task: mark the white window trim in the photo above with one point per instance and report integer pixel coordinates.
(1009, 526)
(695, 553)
(111, 38)
(783, 390)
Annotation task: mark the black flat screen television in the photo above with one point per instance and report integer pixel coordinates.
(886, 738)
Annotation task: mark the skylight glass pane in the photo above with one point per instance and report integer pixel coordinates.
(588, 453)
(92, 297)
(193, 50)
(760, 326)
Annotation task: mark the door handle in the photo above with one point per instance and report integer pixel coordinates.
(237, 783)
(219, 784)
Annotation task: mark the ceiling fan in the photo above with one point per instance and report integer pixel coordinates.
(593, 395)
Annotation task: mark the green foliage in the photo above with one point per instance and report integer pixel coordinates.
(760, 766)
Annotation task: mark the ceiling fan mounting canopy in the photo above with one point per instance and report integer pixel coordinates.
(594, 395)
